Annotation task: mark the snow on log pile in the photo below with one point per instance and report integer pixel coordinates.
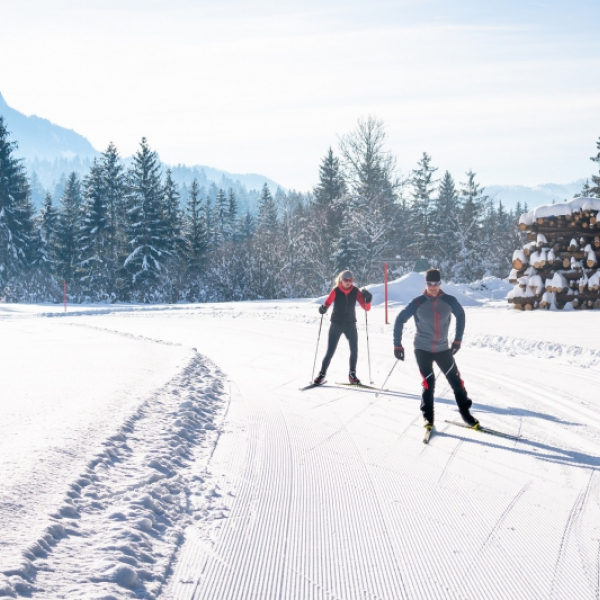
(559, 262)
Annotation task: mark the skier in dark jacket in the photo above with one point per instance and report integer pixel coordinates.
(344, 297)
(432, 312)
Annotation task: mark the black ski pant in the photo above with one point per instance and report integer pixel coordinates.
(335, 333)
(447, 364)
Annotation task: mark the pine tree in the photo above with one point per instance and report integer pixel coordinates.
(67, 237)
(114, 184)
(470, 265)
(595, 188)
(95, 237)
(232, 211)
(422, 209)
(48, 221)
(146, 228)
(445, 218)
(173, 218)
(14, 217)
(195, 231)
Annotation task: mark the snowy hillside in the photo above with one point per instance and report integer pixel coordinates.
(167, 452)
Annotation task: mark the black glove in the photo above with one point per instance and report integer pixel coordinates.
(399, 352)
(366, 294)
(322, 309)
(455, 347)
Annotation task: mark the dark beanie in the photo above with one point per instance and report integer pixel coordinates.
(432, 275)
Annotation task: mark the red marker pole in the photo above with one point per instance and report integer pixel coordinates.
(385, 290)
(65, 294)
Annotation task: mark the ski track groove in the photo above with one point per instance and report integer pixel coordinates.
(574, 516)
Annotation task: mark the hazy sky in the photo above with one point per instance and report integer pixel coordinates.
(510, 89)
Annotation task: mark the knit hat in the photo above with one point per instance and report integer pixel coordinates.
(432, 275)
(346, 275)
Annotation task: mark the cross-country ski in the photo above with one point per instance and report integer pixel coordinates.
(483, 429)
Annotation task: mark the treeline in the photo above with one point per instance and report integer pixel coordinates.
(127, 234)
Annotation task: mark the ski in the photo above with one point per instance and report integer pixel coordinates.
(428, 431)
(312, 385)
(486, 430)
(357, 385)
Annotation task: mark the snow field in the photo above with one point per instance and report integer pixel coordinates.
(330, 493)
(107, 511)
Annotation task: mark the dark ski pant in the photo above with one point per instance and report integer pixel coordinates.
(447, 364)
(335, 333)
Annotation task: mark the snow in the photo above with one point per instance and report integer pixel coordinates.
(401, 291)
(167, 452)
(560, 209)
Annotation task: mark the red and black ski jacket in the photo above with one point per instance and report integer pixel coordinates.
(344, 304)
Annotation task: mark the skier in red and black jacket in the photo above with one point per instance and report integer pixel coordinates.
(432, 312)
(344, 297)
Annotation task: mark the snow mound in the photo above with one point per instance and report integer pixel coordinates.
(488, 288)
(403, 290)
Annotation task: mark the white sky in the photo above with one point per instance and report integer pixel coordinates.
(509, 89)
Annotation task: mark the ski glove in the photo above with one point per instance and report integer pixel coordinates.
(399, 352)
(366, 294)
(455, 347)
(322, 309)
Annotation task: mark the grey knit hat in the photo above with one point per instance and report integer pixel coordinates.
(346, 275)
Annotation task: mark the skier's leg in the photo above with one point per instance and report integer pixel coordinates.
(335, 332)
(425, 363)
(447, 364)
(352, 335)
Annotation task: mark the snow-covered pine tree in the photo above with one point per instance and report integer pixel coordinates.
(422, 211)
(145, 227)
(445, 217)
(48, 221)
(196, 239)
(328, 213)
(222, 225)
(95, 238)
(67, 238)
(114, 184)
(14, 226)
(232, 211)
(370, 210)
(329, 190)
(470, 264)
(595, 188)
(266, 254)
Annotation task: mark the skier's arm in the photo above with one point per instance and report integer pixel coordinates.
(459, 313)
(361, 300)
(330, 298)
(402, 317)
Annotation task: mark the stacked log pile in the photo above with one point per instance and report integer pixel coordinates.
(558, 263)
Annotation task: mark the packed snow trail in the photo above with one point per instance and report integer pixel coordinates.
(330, 493)
(333, 495)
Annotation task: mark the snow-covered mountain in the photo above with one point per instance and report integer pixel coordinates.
(51, 151)
(42, 139)
(545, 193)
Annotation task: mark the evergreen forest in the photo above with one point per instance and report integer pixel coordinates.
(131, 234)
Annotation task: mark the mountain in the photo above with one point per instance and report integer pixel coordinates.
(546, 193)
(41, 139)
(51, 152)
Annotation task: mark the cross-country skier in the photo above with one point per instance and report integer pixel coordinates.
(432, 312)
(344, 297)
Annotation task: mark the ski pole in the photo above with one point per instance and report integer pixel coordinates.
(317, 350)
(386, 379)
(368, 350)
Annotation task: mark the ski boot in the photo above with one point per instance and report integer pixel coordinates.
(352, 378)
